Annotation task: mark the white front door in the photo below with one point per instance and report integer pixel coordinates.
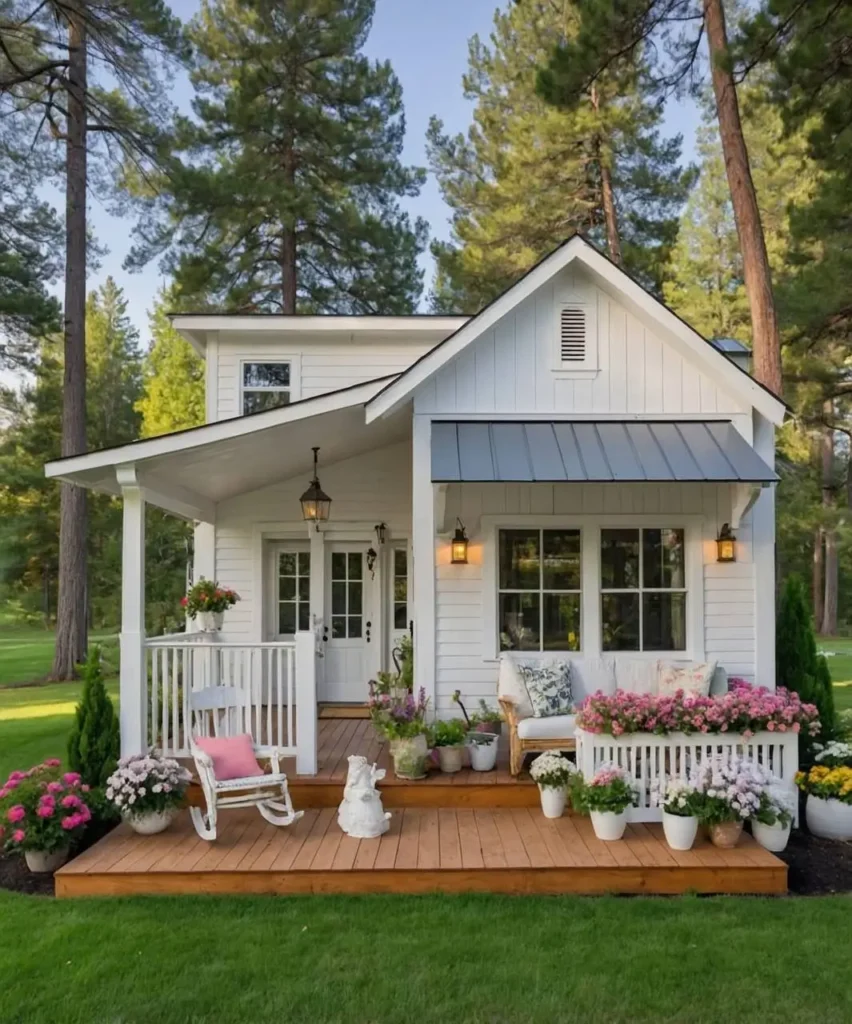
(349, 625)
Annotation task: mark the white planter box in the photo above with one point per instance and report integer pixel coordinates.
(648, 757)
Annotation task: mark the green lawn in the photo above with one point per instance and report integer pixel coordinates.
(26, 655)
(424, 959)
(840, 665)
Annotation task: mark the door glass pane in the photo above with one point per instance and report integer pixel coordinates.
(355, 626)
(338, 626)
(355, 561)
(400, 562)
(338, 599)
(304, 616)
(354, 598)
(287, 588)
(519, 560)
(400, 589)
(519, 622)
(561, 560)
(304, 588)
(664, 622)
(400, 616)
(561, 622)
(662, 558)
(619, 560)
(304, 563)
(287, 617)
(287, 564)
(620, 622)
(338, 565)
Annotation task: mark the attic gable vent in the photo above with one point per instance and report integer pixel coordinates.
(572, 335)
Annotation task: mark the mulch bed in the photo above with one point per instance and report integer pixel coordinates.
(16, 876)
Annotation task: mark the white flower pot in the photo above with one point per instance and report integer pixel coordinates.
(771, 837)
(151, 823)
(608, 825)
(483, 756)
(829, 819)
(451, 758)
(40, 862)
(680, 830)
(552, 801)
(409, 757)
(210, 621)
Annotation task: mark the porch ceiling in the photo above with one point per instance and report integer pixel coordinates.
(189, 473)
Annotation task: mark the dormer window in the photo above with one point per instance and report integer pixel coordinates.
(576, 344)
(265, 386)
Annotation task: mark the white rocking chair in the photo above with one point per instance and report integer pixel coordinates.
(269, 793)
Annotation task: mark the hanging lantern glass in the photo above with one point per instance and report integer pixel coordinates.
(459, 545)
(316, 504)
(726, 547)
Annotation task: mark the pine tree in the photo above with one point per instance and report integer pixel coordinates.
(527, 174)
(795, 643)
(93, 745)
(173, 388)
(289, 197)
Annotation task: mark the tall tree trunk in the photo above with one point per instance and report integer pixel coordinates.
(288, 272)
(613, 241)
(758, 280)
(818, 576)
(827, 623)
(71, 612)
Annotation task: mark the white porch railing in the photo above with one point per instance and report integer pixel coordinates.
(649, 758)
(203, 687)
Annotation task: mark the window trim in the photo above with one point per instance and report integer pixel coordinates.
(590, 617)
(295, 363)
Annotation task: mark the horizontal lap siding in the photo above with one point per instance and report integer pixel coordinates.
(460, 643)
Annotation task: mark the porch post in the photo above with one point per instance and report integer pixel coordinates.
(306, 703)
(423, 557)
(133, 678)
(763, 542)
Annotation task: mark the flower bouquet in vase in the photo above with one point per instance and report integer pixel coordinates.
(606, 797)
(403, 724)
(207, 602)
(773, 819)
(828, 810)
(680, 801)
(554, 774)
(731, 789)
(148, 791)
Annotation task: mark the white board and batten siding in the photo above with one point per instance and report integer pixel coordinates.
(317, 366)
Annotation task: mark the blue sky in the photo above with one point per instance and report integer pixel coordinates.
(427, 45)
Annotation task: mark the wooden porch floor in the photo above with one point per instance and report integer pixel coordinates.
(474, 831)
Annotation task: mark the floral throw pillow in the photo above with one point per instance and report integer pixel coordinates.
(692, 677)
(549, 685)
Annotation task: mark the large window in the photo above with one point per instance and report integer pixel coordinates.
(265, 386)
(643, 590)
(539, 590)
(294, 591)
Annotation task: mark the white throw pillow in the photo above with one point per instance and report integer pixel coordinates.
(511, 686)
(588, 675)
(637, 675)
(690, 676)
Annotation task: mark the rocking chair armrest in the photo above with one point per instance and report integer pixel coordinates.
(510, 710)
(275, 760)
(202, 759)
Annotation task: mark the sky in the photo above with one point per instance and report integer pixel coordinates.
(427, 44)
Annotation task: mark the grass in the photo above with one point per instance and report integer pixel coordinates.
(26, 655)
(840, 666)
(425, 959)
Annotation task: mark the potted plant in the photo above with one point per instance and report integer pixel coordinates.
(482, 747)
(207, 602)
(487, 719)
(42, 811)
(554, 774)
(731, 789)
(448, 738)
(606, 797)
(147, 790)
(680, 801)
(828, 810)
(771, 824)
(403, 724)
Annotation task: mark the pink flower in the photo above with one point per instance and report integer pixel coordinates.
(52, 762)
(84, 788)
(11, 784)
(46, 810)
(71, 822)
(4, 792)
(770, 726)
(71, 801)
(16, 776)
(18, 836)
(71, 778)
(55, 787)
(796, 727)
(16, 813)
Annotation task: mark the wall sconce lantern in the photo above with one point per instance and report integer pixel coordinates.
(381, 530)
(459, 546)
(726, 549)
(316, 504)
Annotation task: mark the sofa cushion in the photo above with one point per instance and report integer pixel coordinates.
(511, 686)
(589, 675)
(555, 727)
(690, 676)
(637, 675)
(719, 682)
(548, 684)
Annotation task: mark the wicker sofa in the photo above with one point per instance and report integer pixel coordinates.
(529, 734)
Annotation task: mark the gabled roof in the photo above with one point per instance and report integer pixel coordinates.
(634, 295)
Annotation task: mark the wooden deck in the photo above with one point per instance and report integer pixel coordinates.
(470, 832)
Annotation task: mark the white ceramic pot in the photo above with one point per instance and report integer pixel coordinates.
(483, 756)
(552, 801)
(151, 823)
(40, 862)
(218, 619)
(608, 825)
(680, 830)
(451, 759)
(771, 837)
(206, 621)
(829, 819)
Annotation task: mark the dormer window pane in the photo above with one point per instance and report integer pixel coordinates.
(265, 386)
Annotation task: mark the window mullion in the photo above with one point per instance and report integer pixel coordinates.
(541, 590)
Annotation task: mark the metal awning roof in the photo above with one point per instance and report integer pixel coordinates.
(688, 451)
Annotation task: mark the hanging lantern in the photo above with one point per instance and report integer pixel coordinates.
(316, 504)
(459, 546)
(726, 549)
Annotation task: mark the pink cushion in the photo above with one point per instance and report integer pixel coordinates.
(232, 756)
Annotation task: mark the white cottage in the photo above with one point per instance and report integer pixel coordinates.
(588, 444)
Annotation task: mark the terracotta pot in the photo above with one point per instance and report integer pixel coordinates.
(409, 757)
(680, 830)
(40, 862)
(608, 825)
(771, 837)
(496, 728)
(725, 834)
(552, 801)
(828, 819)
(151, 823)
(451, 759)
